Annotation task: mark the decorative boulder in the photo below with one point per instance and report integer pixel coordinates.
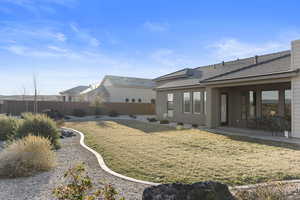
(198, 191)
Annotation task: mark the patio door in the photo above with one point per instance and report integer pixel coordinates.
(224, 109)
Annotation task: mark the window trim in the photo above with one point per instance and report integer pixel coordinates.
(184, 103)
(168, 109)
(193, 103)
(205, 102)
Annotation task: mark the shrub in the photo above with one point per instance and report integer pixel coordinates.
(180, 124)
(272, 192)
(53, 114)
(132, 116)
(80, 186)
(195, 125)
(152, 119)
(164, 121)
(8, 127)
(40, 125)
(79, 112)
(26, 156)
(113, 113)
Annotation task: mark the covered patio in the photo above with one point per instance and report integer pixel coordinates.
(254, 109)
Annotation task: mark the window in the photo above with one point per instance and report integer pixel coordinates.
(64, 98)
(132, 100)
(126, 100)
(170, 105)
(197, 102)
(70, 98)
(244, 107)
(287, 104)
(204, 103)
(186, 102)
(153, 101)
(140, 100)
(269, 103)
(252, 105)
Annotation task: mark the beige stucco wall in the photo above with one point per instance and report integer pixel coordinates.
(119, 94)
(179, 115)
(296, 90)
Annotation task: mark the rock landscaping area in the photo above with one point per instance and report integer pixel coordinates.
(40, 186)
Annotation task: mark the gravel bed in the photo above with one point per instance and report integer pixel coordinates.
(39, 187)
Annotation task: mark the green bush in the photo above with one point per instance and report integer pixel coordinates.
(26, 156)
(164, 121)
(80, 186)
(8, 127)
(79, 112)
(113, 113)
(195, 125)
(40, 125)
(151, 119)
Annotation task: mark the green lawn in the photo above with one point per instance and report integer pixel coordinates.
(162, 154)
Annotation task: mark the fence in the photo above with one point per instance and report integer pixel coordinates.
(67, 108)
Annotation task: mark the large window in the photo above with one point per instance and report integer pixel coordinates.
(252, 105)
(186, 102)
(270, 103)
(287, 104)
(170, 105)
(197, 102)
(204, 103)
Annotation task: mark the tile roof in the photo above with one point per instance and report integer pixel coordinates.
(269, 63)
(130, 81)
(75, 90)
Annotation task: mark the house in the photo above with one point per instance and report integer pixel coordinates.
(236, 93)
(118, 89)
(73, 94)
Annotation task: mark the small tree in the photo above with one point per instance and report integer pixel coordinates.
(97, 104)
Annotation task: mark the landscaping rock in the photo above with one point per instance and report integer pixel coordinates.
(197, 191)
(67, 133)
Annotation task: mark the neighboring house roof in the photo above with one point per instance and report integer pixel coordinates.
(129, 82)
(75, 91)
(254, 66)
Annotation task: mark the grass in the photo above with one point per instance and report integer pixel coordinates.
(26, 156)
(160, 153)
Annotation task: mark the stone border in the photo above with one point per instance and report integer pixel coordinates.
(104, 166)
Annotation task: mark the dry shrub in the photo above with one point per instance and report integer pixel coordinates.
(40, 125)
(264, 192)
(26, 156)
(8, 127)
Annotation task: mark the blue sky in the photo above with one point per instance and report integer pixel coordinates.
(76, 42)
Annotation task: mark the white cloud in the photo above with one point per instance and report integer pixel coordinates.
(84, 35)
(58, 49)
(232, 48)
(156, 27)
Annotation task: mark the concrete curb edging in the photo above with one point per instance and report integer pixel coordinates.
(104, 166)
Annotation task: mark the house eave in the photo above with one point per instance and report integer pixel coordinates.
(285, 74)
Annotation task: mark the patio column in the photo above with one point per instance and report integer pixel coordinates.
(295, 64)
(212, 107)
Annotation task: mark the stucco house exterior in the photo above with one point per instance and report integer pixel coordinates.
(119, 89)
(114, 89)
(73, 94)
(236, 93)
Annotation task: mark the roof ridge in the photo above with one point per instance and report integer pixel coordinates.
(246, 67)
(172, 73)
(244, 59)
(107, 76)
